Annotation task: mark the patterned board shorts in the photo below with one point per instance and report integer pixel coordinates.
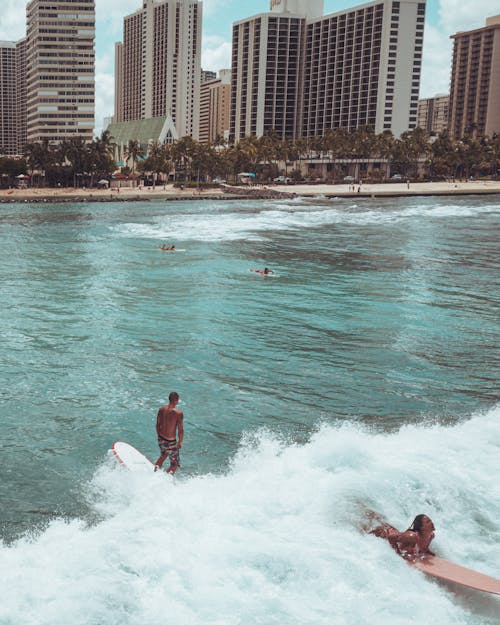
(171, 451)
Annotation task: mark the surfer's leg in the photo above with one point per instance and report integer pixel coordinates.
(160, 461)
(174, 460)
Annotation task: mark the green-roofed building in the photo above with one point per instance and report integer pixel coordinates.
(145, 131)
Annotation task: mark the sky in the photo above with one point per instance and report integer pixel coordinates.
(444, 18)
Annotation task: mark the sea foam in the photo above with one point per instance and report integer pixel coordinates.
(273, 539)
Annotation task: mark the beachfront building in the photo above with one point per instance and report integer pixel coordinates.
(145, 132)
(8, 107)
(12, 97)
(475, 81)
(433, 114)
(159, 65)
(60, 70)
(300, 73)
(215, 108)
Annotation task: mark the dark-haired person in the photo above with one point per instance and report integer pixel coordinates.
(263, 272)
(170, 430)
(414, 542)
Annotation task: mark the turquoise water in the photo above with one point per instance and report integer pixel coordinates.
(364, 371)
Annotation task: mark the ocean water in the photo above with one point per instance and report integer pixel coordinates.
(362, 375)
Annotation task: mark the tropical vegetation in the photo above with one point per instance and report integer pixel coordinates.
(414, 154)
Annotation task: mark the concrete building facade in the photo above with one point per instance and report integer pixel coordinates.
(8, 104)
(215, 108)
(475, 81)
(60, 70)
(159, 64)
(301, 73)
(433, 114)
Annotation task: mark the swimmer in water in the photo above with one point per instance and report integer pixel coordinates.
(414, 542)
(167, 249)
(263, 272)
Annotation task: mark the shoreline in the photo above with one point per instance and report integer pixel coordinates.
(262, 192)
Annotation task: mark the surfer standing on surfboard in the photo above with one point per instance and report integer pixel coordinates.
(169, 425)
(412, 543)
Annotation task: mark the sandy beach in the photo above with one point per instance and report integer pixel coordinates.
(169, 192)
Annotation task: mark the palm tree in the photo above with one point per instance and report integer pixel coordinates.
(134, 151)
(158, 160)
(39, 157)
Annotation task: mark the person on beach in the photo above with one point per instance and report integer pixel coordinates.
(169, 426)
(414, 542)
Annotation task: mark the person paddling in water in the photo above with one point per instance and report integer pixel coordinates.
(167, 249)
(263, 272)
(169, 426)
(414, 542)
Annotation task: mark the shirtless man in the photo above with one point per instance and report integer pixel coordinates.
(414, 542)
(169, 423)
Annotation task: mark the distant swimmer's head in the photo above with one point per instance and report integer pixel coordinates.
(173, 397)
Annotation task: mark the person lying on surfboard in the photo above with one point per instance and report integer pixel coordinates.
(414, 542)
(263, 272)
(167, 249)
(169, 424)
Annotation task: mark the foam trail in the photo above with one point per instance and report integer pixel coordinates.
(257, 222)
(274, 540)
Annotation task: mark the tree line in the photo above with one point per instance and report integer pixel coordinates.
(76, 163)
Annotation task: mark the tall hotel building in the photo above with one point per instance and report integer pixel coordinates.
(302, 73)
(158, 65)
(215, 108)
(12, 97)
(8, 107)
(433, 114)
(475, 81)
(60, 70)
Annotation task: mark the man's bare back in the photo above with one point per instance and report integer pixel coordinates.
(167, 423)
(170, 430)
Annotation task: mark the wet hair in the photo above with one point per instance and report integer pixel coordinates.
(418, 522)
(173, 396)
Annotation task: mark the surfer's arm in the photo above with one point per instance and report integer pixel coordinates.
(180, 429)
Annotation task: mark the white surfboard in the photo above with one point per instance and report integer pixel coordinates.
(130, 457)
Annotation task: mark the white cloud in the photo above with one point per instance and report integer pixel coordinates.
(104, 99)
(456, 15)
(216, 53)
(12, 20)
(436, 62)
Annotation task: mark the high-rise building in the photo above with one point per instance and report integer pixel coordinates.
(8, 105)
(433, 114)
(266, 75)
(21, 89)
(159, 64)
(12, 97)
(118, 116)
(60, 70)
(300, 73)
(207, 75)
(475, 81)
(215, 108)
